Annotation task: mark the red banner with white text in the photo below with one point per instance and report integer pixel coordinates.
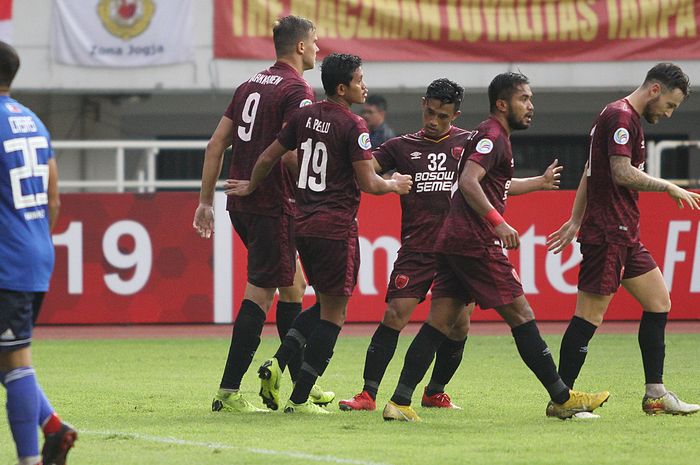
(470, 30)
(128, 258)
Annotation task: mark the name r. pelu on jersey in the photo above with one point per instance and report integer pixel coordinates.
(318, 125)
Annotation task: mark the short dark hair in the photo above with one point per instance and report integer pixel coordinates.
(446, 91)
(378, 101)
(288, 32)
(9, 64)
(504, 86)
(669, 76)
(336, 69)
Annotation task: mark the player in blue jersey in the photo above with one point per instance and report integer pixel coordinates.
(29, 205)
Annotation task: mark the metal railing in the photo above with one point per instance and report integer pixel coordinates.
(145, 180)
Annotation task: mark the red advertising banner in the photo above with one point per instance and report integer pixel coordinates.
(470, 30)
(125, 258)
(128, 258)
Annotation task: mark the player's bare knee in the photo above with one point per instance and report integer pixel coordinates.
(660, 304)
(459, 332)
(395, 319)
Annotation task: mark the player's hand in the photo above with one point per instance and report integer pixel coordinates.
(508, 236)
(402, 183)
(204, 220)
(237, 187)
(558, 240)
(681, 196)
(551, 178)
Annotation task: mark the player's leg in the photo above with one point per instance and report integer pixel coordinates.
(590, 309)
(59, 437)
(318, 353)
(447, 359)
(599, 278)
(564, 403)
(380, 351)
(409, 283)
(649, 289)
(271, 264)
(288, 308)
(442, 317)
(17, 373)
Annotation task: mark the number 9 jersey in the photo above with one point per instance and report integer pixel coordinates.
(26, 250)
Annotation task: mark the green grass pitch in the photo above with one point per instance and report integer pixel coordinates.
(140, 402)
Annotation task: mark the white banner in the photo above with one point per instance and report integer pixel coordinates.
(119, 33)
(6, 21)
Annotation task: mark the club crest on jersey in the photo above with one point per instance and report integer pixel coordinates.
(484, 146)
(13, 108)
(621, 136)
(364, 142)
(305, 102)
(457, 152)
(401, 281)
(416, 155)
(126, 18)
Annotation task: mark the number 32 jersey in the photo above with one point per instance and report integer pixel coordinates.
(26, 250)
(433, 166)
(328, 138)
(259, 108)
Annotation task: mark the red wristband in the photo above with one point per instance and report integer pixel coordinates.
(494, 218)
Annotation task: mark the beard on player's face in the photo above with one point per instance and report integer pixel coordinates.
(519, 122)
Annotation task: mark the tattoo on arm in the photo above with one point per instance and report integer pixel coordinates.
(628, 176)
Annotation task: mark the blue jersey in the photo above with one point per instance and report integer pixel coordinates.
(26, 249)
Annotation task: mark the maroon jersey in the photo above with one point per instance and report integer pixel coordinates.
(258, 109)
(612, 215)
(433, 166)
(328, 138)
(464, 232)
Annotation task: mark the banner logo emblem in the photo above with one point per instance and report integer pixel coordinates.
(126, 19)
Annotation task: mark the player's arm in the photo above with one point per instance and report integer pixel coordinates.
(291, 162)
(377, 167)
(549, 180)
(558, 240)
(470, 188)
(52, 193)
(370, 182)
(626, 175)
(271, 155)
(213, 161)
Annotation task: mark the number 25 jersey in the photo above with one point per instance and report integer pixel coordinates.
(26, 250)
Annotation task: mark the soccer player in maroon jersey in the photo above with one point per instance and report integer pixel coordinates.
(431, 156)
(471, 265)
(605, 210)
(264, 221)
(335, 163)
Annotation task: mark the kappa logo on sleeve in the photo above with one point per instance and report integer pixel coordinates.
(621, 136)
(364, 142)
(305, 102)
(484, 146)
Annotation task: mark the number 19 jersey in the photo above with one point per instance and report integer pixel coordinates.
(328, 138)
(26, 250)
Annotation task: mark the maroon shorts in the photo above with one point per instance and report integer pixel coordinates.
(490, 280)
(412, 275)
(331, 266)
(604, 266)
(270, 244)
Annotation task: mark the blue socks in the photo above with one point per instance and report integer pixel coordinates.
(23, 410)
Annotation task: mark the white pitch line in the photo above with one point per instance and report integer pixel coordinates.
(214, 445)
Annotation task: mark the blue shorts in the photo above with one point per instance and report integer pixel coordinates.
(18, 311)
